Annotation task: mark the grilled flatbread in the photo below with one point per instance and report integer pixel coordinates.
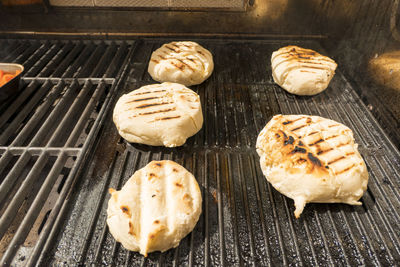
(302, 71)
(157, 207)
(159, 115)
(186, 63)
(312, 159)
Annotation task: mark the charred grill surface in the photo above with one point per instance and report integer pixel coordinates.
(60, 153)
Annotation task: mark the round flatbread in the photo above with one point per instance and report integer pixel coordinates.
(187, 63)
(157, 207)
(159, 115)
(312, 159)
(302, 71)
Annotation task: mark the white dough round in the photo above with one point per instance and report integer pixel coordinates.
(302, 71)
(187, 63)
(312, 159)
(156, 208)
(159, 115)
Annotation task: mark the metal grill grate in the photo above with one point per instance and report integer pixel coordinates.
(46, 132)
(244, 221)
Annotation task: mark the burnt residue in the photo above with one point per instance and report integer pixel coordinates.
(126, 210)
(298, 150)
(301, 143)
(314, 160)
(289, 140)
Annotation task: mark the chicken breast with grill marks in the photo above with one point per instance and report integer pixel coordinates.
(312, 159)
(187, 63)
(157, 207)
(159, 115)
(301, 71)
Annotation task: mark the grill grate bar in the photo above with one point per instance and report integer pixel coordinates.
(38, 115)
(33, 59)
(113, 67)
(18, 198)
(43, 60)
(101, 65)
(18, 50)
(24, 112)
(84, 71)
(71, 70)
(55, 61)
(17, 103)
(34, 151)
(63, 66)
(34, 210)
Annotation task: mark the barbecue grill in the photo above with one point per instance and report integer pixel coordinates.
(60, 151)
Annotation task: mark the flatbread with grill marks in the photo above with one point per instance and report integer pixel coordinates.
(302, 71)
(157, 207)
(187, 63)
(159, 115)
(312, 159)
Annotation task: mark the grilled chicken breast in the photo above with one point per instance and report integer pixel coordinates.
(186, 63)
(312, 159)
(157, 207)
(159, 115)
(302, 71)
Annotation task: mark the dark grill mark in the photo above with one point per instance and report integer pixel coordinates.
(333, 125)
(169, 118)
(301, 161)
(314, 160)
(298, 128)
(201, 53)
(131, 232)
(191, 59)
(317, 142)
(158, 164)
(300, 143)
(149, 92)
(157, 111)
(309, 120)
(298, 150)
(324, 151)
(154, 104)
(178, 184)
(143, 99)
(180, 67)
(156, 221)
(277, 135)
(350, 153)
(126, 210)
(289, 140)
(155, 61)
(170, 48)
(162, 57)
(289, 122)
(343, 144)
(174, 170)
(153, 195)
(345, 170)
(185, 64)
(336, 160)
(311, 133)
(330, 137)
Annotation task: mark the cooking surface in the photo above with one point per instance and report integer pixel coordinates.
(244, 220)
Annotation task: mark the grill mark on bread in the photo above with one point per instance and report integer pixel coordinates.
(316, 142)
(131, 229)
(289, 122)
(314, 160)
(342, 144)
(289, 140)
(125, 209)
(172, 49)
(315, 132)
(333, 125)
(324, 151)
(187, 65)
(298, 128)
(149, 92)
(165, 118)
(336, 160)
(345, 170)
(155, 61)
(157, 111)
(330, 137)
(154, 104)
(143, 99)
